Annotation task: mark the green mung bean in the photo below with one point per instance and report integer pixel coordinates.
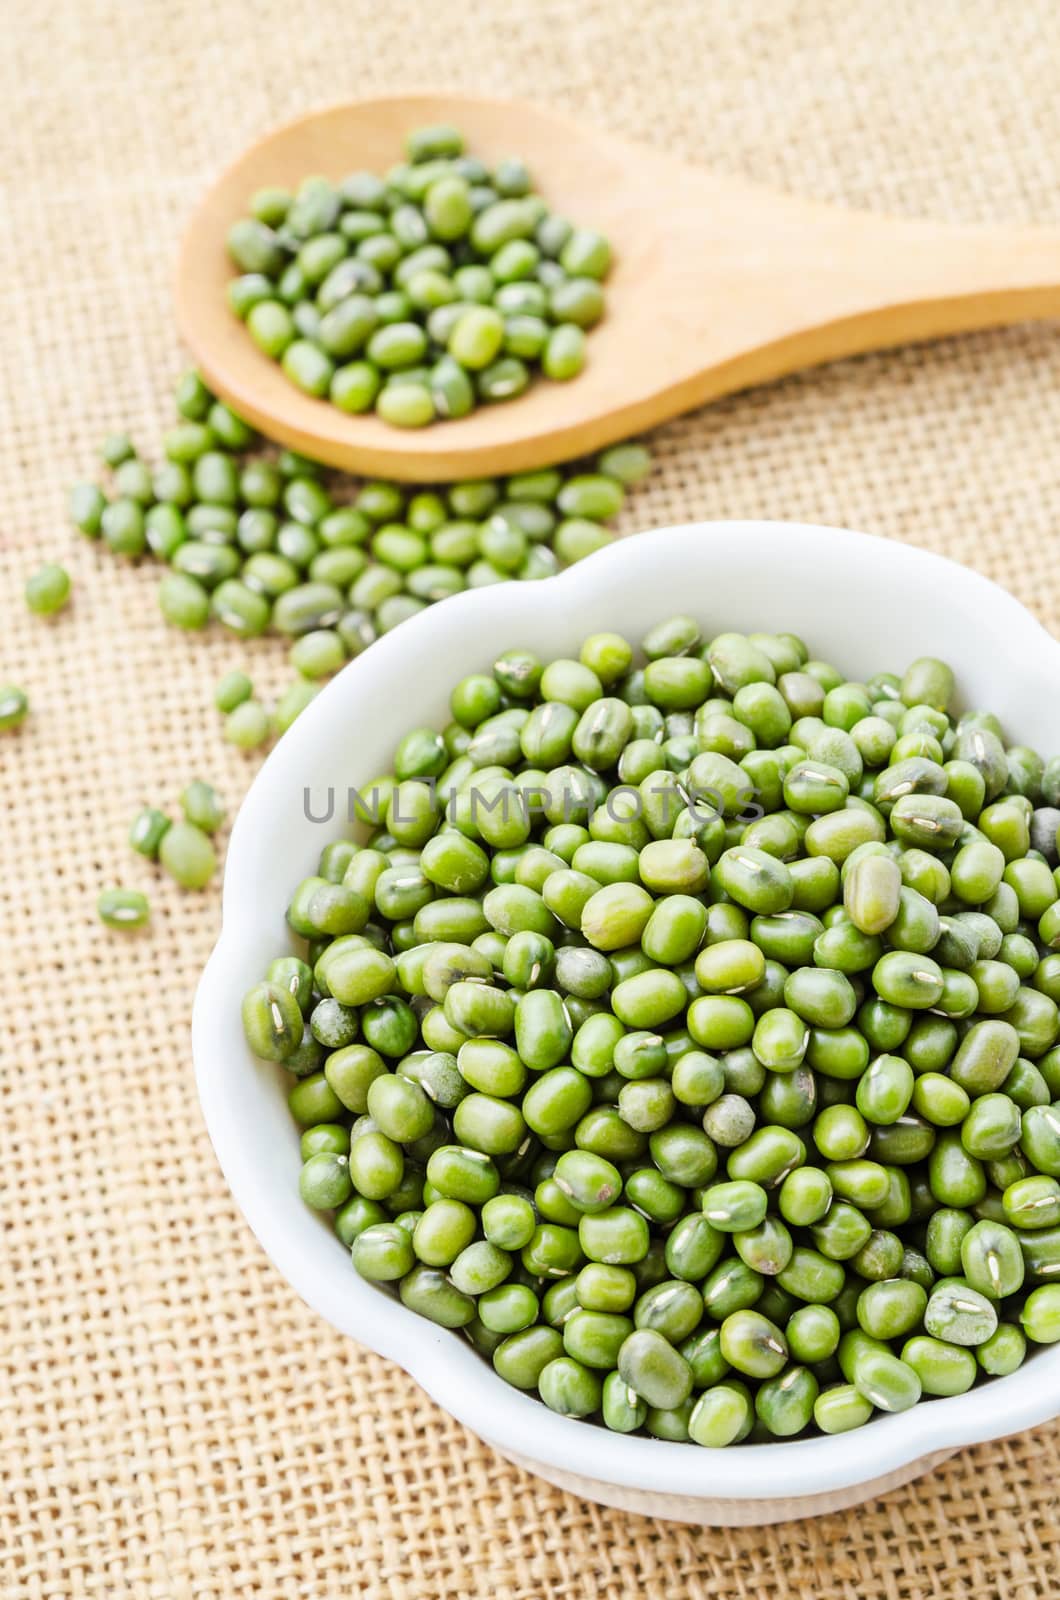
(123, 908)
(14, 707)
(48, 589)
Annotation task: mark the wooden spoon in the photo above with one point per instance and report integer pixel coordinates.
(717, 284)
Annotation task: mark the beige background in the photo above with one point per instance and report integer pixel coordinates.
(174, 1422)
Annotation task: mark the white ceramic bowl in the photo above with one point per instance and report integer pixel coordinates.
(864, 603)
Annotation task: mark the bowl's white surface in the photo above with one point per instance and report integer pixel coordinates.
(868, 605)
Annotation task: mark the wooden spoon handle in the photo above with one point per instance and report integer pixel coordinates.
(919, 280)
(788, 282)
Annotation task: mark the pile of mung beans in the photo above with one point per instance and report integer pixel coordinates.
(260, 540)
(684, 1031)
(421, 294)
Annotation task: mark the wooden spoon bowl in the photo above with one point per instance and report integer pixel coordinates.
(717, 284)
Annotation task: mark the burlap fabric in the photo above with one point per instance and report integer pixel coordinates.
(174, 1422)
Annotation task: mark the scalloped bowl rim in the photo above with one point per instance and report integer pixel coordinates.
(304, 1249)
